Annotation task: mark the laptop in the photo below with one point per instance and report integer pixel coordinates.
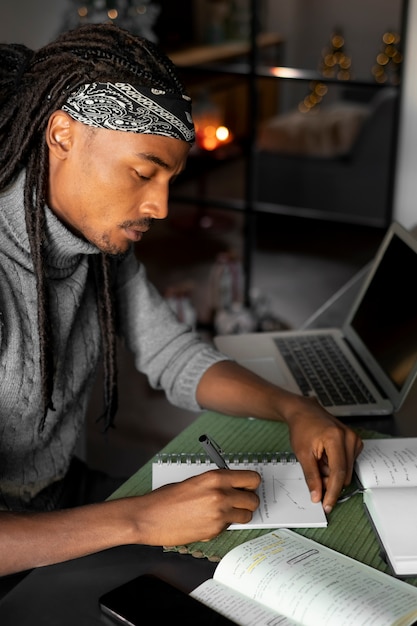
(376, 346)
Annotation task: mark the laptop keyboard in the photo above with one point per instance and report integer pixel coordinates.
(321, 368)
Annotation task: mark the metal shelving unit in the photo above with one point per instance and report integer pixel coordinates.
(252, 70)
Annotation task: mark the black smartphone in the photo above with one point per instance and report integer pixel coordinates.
(148, 597)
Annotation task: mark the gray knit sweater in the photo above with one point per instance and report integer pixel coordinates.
(172, 357)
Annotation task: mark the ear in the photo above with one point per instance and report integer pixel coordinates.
(59, 134)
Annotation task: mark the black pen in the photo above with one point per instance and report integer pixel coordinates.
(213, 450)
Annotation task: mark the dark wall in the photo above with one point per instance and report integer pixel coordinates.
(175, 24)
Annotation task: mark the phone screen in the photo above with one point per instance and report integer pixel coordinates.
(148, 597)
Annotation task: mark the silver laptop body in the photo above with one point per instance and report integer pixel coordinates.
(378, 337)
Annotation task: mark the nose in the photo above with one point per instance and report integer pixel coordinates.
(155, 204)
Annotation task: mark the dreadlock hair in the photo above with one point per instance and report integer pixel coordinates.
(34, 84)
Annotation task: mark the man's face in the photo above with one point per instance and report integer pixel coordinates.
(106, 185)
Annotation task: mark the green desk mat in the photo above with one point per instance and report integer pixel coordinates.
(349, 530)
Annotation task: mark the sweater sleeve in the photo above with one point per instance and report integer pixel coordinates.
(172, 356)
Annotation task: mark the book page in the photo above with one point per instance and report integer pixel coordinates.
(394, 514)
(312, 584)
(388, 462)
(284, 496)
(238, 607)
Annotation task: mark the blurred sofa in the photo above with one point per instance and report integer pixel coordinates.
(336, 164)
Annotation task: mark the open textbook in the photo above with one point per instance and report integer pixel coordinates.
(387, 470)
(282, 578)
(285, 500)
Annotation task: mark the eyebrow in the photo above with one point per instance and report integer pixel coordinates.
(154, 159)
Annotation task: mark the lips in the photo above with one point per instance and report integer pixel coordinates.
(133, 234)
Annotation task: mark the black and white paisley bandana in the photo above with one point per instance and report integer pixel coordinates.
(120, 106)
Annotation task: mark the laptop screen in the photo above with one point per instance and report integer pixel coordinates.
(386, 318)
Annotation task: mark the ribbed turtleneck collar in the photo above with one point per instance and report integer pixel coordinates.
(62, 248)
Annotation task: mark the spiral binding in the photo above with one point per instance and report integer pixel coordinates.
(232, 459)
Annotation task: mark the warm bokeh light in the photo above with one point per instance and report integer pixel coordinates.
(209, 137)
(222, 133)
(334, 64)
(210, 131)
(388, 60)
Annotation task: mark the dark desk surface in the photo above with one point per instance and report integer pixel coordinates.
(67, 594)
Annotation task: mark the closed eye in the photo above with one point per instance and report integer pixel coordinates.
(142, 177)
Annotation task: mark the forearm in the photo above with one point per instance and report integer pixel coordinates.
(197, 509)
(228, 388)
(30, 540)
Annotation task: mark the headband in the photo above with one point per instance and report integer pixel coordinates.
(120, 106)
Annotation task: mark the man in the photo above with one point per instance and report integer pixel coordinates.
(94, 127)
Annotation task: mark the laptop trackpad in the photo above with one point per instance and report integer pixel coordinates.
(268, 369)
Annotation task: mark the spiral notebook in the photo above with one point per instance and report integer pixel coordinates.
(284, 496)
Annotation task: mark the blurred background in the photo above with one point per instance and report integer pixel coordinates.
(306, 117)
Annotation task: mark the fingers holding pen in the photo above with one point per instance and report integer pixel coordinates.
(215, 453)
(201, 507)
(234, 489)
(234, 497)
